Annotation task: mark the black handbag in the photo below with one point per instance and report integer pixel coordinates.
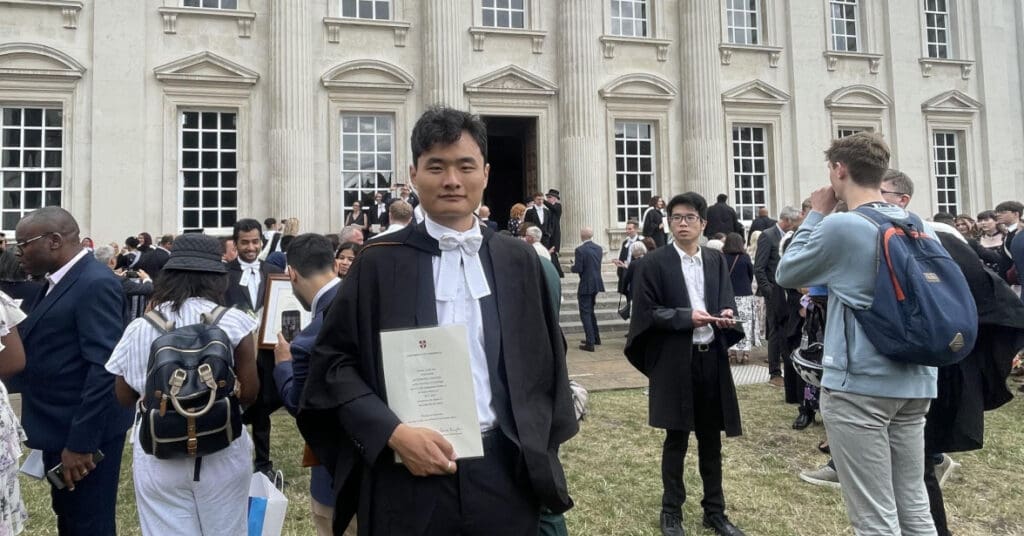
(624, 307)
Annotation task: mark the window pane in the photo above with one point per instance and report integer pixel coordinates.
(635, 171)
(211, 142)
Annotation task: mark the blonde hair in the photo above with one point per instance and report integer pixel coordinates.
(517, 212)
(291, 227)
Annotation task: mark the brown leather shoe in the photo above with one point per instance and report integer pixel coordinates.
(777, 381)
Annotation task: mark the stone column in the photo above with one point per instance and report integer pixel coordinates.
(582, 140)
(704, 169)
(445, 38)
(292, 134)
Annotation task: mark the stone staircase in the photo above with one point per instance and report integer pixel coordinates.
(606, 308)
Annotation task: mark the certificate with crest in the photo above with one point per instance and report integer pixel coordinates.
(429, 383)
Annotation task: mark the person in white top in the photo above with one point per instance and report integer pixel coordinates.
(12, 361)
(174, 496)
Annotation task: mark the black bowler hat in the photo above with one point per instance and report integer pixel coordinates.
(554, 193)
(196, 253)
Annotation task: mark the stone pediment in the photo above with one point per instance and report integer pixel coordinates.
(206, 68)
(757, 93)
(954, 101)
(372, 75)
(511, 79)
(858, 97)
(34, 61)
(639, 86)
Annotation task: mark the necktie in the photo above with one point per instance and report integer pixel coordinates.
(458, 257)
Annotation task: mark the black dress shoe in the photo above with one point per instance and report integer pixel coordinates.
(587, 347)
(803, 420)
(598, 343)
(672, 524)
(721, 525)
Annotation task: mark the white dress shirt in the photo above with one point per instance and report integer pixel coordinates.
(55, 277)
(693, 274)
(251, 279)
(540, 213)
(463, 308)
(629, 248)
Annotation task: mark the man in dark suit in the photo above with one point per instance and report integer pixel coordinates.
(68, 406)
(1017, 250)
(379, 213)
(588, 265)
(553, 200)
(446, 270)
(722, 218)
(679, 333)
(484, 213)
(154, 260)
(541, 216)
(626, 251)
(761, 222)
(777, 311)
(247, 283)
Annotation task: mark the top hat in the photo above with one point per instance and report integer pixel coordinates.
(554, 193)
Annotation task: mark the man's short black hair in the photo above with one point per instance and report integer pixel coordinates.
(167, 240)
(443, 125)
(691, 199)
(131, 242)
(245, 225)
(722, 198)
(944, 217)
(1010, 206)
(310, 254)
(269, 222)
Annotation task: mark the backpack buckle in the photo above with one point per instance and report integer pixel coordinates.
(177, 380)
(206, 376)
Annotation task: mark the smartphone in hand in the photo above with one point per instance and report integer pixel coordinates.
(56, 475)
(290, 324)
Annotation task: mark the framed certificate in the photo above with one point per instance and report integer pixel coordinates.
(282, 312)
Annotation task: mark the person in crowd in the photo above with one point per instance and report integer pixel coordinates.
(525, 410)
(777, 298)
(228, 250)
(653, 221)
(404, 194)
(344, 258)
(153, 260)
(716, 241)
(357, 218)
(761, 223)
(73, 327)
(379, 217)
(351, 233)
(180, 496)
(533, 236)
(290, 229)
(400, 215)
(1008, 214)
(136, 285)
(759, 308)
(1017, 253)
(12, 361)
(3, 241)
(515, 218)
(626, 250)
(541, 216)
(129, 254)
(639, 250)
(484, 213)
(87, 243)
(271, 236)
(722, 219)
(15, 282)
(990, 244)
(873, 406)
(553, 201)
(145, 242)
(741, 275)
(588, 265)
(313, 277)
(967, 227)
(677, 339)
(247, 281)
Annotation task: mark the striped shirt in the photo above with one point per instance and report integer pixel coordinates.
(131, 355)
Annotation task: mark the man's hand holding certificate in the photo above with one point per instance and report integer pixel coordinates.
(429, 386)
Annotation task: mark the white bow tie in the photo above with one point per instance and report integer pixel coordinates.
(461, 251)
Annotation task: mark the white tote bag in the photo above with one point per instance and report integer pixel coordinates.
(267, 506)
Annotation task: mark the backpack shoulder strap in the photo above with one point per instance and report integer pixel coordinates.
(871, 215)
(159, 321)
(213, 317)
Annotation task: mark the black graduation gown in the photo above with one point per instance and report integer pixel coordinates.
(660, 340)
(556, 225)
(344, 416)
(652, 226)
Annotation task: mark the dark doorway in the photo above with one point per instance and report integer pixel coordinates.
(512, 153)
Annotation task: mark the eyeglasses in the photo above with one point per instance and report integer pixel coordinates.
(887, 192)
(678, 218)
(20, 245)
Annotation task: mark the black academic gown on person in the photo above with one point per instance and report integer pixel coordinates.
(660, 339)
(651, 226)
(344, 417)
(556, 225)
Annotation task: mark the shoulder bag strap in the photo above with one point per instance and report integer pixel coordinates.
(159, 321)
(734, 263)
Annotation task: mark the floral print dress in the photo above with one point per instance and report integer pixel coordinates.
(12, 510)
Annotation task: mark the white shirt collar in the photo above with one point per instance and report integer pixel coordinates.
(55, 277)
(246, 265)
(1012, 228)
(697, 259)
(323, 290)
(436, 230)
(456, 266)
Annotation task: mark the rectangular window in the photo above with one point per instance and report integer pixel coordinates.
(208, 170)
(946, 158)
(743, 21)
(936, 27)
(212, 4)
(750, 178)
(366, 9)
(504, 13)
(634, 169)
(31, 156)
(845, 31)
(843, 132)
(367, 156)
(630, 18)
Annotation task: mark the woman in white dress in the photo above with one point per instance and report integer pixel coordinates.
(12, 360)
(169, 498)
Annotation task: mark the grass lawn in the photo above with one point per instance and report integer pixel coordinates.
(614, 476)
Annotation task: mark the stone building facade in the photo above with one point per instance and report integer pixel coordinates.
(165, 115)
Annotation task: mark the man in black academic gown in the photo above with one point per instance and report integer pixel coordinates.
(680, 331)
(540, 215)
(445, 270)
(553, 201)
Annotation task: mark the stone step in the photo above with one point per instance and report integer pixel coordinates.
(618, 327)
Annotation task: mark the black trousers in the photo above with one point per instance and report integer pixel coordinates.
(775, 323)
(486, 496)
(258, 414)
(935, 501)
(90, 510)
(708, 429)
(589, 318)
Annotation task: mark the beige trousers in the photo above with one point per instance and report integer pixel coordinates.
(323, 515)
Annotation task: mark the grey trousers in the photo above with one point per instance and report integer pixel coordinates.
(878, 447)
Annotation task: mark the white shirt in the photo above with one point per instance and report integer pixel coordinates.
(466, 310)
(1011, 228)
(629, 248)
(540, 213)
(693, 274)
(320, 293)
(392, 228)
(251, 279)
(541, 250)
(54, 278)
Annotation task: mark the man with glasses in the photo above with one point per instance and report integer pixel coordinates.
(68, 407)
(678, 338)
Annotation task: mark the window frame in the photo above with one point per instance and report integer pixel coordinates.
(759, 28)
(362, 197)
(648, 19)
(769, 150)
(42, 169)
(182, 188)
(858, 36)
(184, 3)
(948, 29)
(391, 10)
(652, 189)
(526, 14)
(959, 177)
